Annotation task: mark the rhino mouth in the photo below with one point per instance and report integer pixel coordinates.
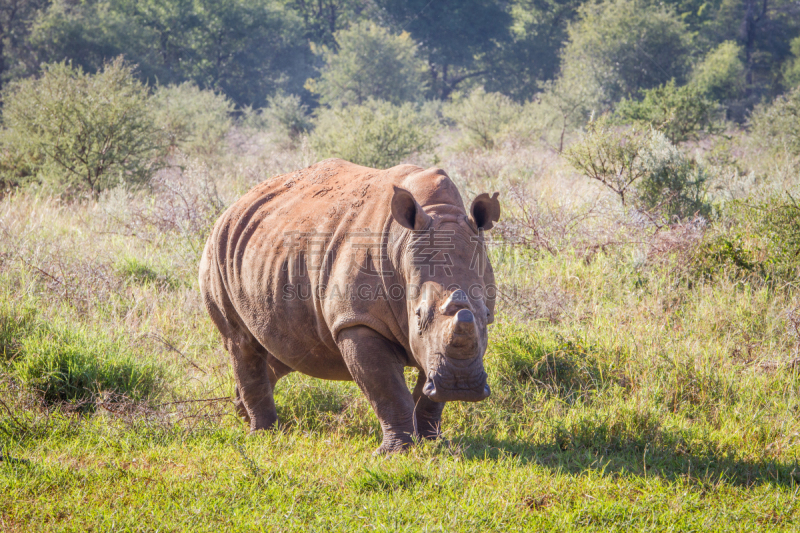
(447, 387)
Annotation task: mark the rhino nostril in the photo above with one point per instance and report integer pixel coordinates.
(465, 315)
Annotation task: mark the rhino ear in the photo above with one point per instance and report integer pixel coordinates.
(407, 211)
(485, 210)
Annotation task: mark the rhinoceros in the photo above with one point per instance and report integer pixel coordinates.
(344, 272)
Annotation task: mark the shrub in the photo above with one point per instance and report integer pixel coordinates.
(777, 126)
(286, 114)
(641, 166)
(16, 321)
(78, 132)
(144, 273)
(195, 121)
(761, 238)
(721, 74)
(370, 63)
(376, 134)
(610, 156)
(482, 117)
(682, 113)
(673, 185)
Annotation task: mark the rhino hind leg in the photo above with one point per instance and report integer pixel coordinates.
(427, 413)
(276, 370)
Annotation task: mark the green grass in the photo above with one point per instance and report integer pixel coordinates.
(629, 392)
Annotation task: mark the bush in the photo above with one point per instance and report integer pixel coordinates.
(287, 115)
(777, 126)
(721, 74)
(644, 167)
(16, 321)
(376, 134)
(673, 185)
(681, 113)
(761, 238)
(482, 117)
(76, 132)
(370, 63)
(610, 155)
(195, 121)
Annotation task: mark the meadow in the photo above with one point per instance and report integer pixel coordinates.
(644, 372)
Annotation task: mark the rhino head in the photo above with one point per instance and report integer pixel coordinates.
(450, 297)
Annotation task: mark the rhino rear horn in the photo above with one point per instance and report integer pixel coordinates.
(407, 211)
(485, 210)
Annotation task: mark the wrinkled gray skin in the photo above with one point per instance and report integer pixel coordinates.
(349, 273)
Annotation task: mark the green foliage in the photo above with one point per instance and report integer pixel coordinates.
(370, 62)
(76, 132)
(375, 134)
(761, 239)
(610, 155)
(195, 121)
(776, 126)
(721, 74)
(287, 114)
(145, 273)
(483, 118)
(791, 71)
(641, 166)
(681, 113)
(453, 34)
(619, 47)
(246, 49)
(530, 56)
(673, 185)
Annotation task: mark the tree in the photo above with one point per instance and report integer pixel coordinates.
(721, 73)
(375, 134)
(610, 155)
(370, 63)
(453, 33)
(77, 132)
(643, 167)
(620, 47)
(681, 113)
(777, 126)
(246, 48)
(791, 71)
(323, 18)
(530, 56)
(16, 17)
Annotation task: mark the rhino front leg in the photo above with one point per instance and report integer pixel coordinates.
(427, 413)
(377, 368)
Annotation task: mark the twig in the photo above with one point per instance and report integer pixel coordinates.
(193, 401)
(174, 349)
(10, 414)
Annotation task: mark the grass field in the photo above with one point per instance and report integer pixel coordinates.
(644, 378)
